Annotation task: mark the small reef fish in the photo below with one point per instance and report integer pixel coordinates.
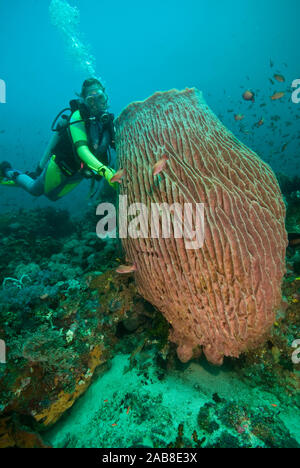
(118, 176)
(259, 123)
(123, 269)
(277, 96)
(238, 117)
(279, 78)
(160, 165)
(248, 96)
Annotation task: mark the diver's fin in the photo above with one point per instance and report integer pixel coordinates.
(4, 166)
(8, 183)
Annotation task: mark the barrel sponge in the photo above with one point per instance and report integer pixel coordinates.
(220, 298)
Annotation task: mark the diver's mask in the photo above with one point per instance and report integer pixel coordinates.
(96, 101)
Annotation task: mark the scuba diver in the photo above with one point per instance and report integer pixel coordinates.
(80, 148)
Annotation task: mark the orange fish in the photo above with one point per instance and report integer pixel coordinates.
(123, 269)
(118, 176)
(277, 96)
(279, 78)
(160, 165)
(238, 117)
(259, 123)
(128, 409)
(248, 96)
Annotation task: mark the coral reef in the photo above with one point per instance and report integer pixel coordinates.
(59, 316)
(14, 433)
(228, 424)
(290, 187)
(271, 366)
(66, 315)
(221, 297)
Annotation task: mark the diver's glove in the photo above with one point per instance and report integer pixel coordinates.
(108, 173)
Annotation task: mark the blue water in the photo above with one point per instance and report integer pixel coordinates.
(219, 47)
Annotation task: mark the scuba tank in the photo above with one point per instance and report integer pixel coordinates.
(100, 133)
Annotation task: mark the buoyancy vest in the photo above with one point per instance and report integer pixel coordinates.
(100, 136)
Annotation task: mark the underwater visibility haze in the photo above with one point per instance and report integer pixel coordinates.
(149, 224)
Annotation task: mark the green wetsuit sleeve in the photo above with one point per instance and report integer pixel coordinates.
(80, 140)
